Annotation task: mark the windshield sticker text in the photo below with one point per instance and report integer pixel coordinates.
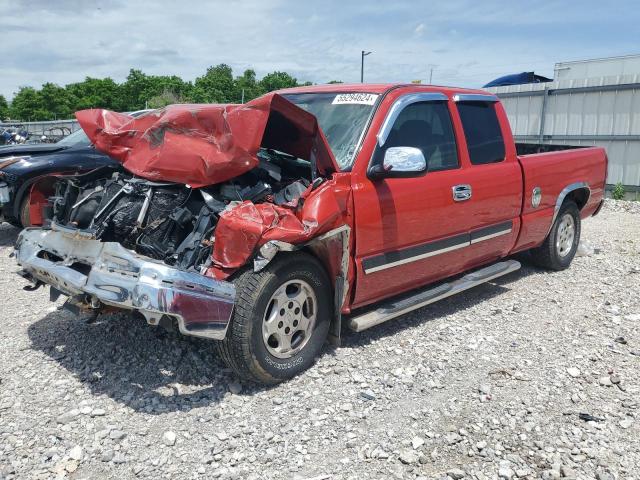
(355, 99)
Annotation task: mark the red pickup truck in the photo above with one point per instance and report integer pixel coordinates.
(266, 226)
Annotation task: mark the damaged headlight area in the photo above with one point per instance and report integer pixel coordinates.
(168, 221)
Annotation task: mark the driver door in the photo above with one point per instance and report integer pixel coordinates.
(412, 231)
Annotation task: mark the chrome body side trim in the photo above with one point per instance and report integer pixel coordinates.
(406, 255)
(417, 257)
(399, 105)
(491, 235)
(474, 97)
(108, 273)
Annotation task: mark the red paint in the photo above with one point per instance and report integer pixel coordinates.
(201, 145)
(243, 229)
(39, 194)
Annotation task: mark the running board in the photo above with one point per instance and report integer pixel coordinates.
(399, 307)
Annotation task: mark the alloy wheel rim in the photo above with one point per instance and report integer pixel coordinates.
(289, 318)
(566, 235)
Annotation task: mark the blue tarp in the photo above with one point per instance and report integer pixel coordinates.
(517, 79)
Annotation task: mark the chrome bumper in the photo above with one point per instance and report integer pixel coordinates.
(75, 264)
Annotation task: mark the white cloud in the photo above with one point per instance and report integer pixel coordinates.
(471, 42)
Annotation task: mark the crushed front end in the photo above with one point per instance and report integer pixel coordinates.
(96, 274)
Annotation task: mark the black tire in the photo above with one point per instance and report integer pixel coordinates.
(548, 255)
(244, 349)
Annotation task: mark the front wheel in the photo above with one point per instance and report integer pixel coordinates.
(280, 321)
(560, 246)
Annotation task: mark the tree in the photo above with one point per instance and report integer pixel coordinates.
(248, 84)
(4, 108)
(54, 100)
(95, 93)
(215, 86)
(132, 91)
(27, 105)
(277, 80)
(335, 81)
(167, 97)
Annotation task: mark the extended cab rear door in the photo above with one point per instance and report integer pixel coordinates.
(494, 177)
(414, 231)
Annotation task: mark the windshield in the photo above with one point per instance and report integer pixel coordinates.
(76, 139)
(342, 118)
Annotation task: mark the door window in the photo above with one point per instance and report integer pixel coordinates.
(482, 131)
(427, 126)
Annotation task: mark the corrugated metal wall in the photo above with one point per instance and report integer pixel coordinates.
(603, 111)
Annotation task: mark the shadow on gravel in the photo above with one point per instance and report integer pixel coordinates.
(8, 234)
(154, 371)
(436, 310)
(146, 368)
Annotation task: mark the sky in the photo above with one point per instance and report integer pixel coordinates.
(466, 43)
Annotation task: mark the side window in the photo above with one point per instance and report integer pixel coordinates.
(427, 126)
(482, 131)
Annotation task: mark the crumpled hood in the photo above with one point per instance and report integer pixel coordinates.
(204, 144)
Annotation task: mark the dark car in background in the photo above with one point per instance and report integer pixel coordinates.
(21, 166)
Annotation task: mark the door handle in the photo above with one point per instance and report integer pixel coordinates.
(461, 192)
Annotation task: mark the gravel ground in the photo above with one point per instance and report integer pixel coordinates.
(489, 384)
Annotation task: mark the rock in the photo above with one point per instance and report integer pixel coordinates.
(235, 388)
(605, 381)
(346, 407)
(621, 340)
(107, 456)
(573, 372)
(505, 472)
(98, 412)
(277, 401)
(68, 417)
(481, 445)
(585, 249)
(625, 423)
(169, 438)
(485, 389)
(71, 466)
(452, 438)
(408, 457)
(117, 434)
(567, 472)
(76, 453)
(456, 473)
(417, 442)
(614, 379)
(604, 476)
(368, 395)
(119, 458)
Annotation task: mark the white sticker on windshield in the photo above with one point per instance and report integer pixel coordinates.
(355, 99)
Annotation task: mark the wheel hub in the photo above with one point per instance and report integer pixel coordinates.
(289, 319)
(566, 235)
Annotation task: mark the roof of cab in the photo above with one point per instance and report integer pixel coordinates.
(375, 88)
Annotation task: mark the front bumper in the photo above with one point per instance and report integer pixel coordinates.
(75, 263)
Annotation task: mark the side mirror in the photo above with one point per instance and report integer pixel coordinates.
(400, 162)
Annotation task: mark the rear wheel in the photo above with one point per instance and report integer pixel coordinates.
(560, 246)
(281, 319)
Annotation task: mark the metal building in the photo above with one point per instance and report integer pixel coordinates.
(590, 102)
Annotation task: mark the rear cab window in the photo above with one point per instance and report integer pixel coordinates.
(482, 132)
